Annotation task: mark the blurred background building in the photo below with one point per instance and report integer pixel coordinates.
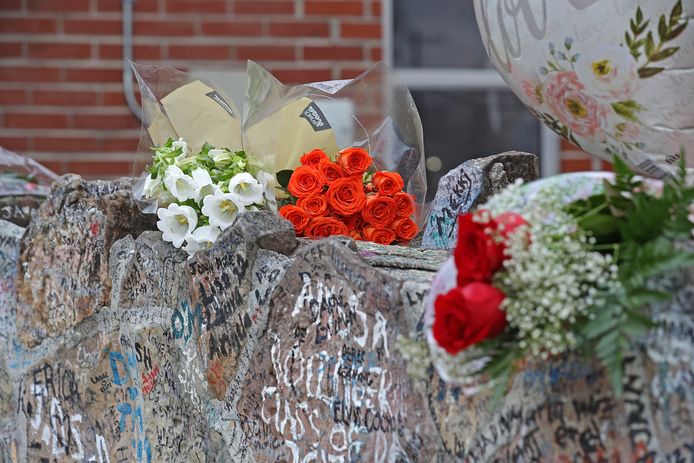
(63, 100)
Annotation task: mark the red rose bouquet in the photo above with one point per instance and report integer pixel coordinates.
(535, 277)
(348, 197)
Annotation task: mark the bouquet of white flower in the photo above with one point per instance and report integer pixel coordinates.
(200, 195)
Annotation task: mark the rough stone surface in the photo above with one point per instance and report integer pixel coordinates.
(470, 184)
(18, 209)
(65, 253)
(271, 348)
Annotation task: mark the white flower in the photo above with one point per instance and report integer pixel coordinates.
(268, 182)
(203, 184)
(180, 143)
(152, 187)
(222, 209)
(608, 71)
(202, 238)
(176, 222)
(245, 189)
(180, 185)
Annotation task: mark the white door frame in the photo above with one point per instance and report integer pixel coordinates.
(464, 79)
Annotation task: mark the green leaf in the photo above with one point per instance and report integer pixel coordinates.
(664, 54)
(676, 12)
(626, 110)
(634, 27)
(639, 15)
(643, 27)
(645, 73)
(674, 33)
(641, 297)
(650, 44)
(662, 28)
(283, 177)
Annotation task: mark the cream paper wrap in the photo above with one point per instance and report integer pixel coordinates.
(615, 77)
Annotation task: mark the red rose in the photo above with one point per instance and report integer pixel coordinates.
(468, 315)
(354, 161)
(378, 210)
(305, 181)
(404, 204)
(297, 216)
(329, 171)
(321, 227)
(508, 222)
(346, 196)
(388, 183)
(312, 158)
(379, 235)
(352, 222)
(356, 235)
(405, 229)
(314, 205)
(477, 255)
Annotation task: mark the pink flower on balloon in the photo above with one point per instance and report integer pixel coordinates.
(568, 102)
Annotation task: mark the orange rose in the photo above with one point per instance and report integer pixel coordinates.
(329, 171)
(404, 204)
(305, 181)
(354, 161)
(321, 227)
(314, 205)
(346, 195)
(378, 210)
(312, 158)
(297, 216)
(405, 229)
(388, 183)
(379, 235)
(352, 222)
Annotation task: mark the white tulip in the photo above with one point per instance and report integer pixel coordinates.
(245, 189)
(222, 209)
(180, 143)
(202, 238)
(176, 222)
(203, 184)
(152, 186)
(268, 182)
(180, 185)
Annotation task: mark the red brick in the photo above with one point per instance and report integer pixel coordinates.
(92, 26)
(163, 28)
(94, 75)
(97, 167)
(64, 144)
(294, 76)
(10, 50)
(148, 52)
(15, 143)
(148, 6)
(361, 31)
(195, 6)
(199, 52)
(10, 97)
(333, 53)
(27, 26)
(608, 166)
(232, 28)
(64, 98)
(62, 5)
(299, 29)
(376, 8)
(576, 165)
(376, 54)
(8, 5)
(113, 99)
(59, 167)
(35, 121)
(334, 8)
(264, 7)
(350, 73)
(59, 50)
(105, 121)
(566, 145)
(119, 144)
(265, 53)
(27, 74)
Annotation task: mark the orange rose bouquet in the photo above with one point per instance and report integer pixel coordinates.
(347, 196)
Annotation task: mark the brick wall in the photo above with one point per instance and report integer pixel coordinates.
(61, 95)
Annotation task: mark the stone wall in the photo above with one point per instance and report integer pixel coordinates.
(117, 348)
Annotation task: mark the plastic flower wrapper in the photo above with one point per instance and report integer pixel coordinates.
(22, 176)
(373, 111)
